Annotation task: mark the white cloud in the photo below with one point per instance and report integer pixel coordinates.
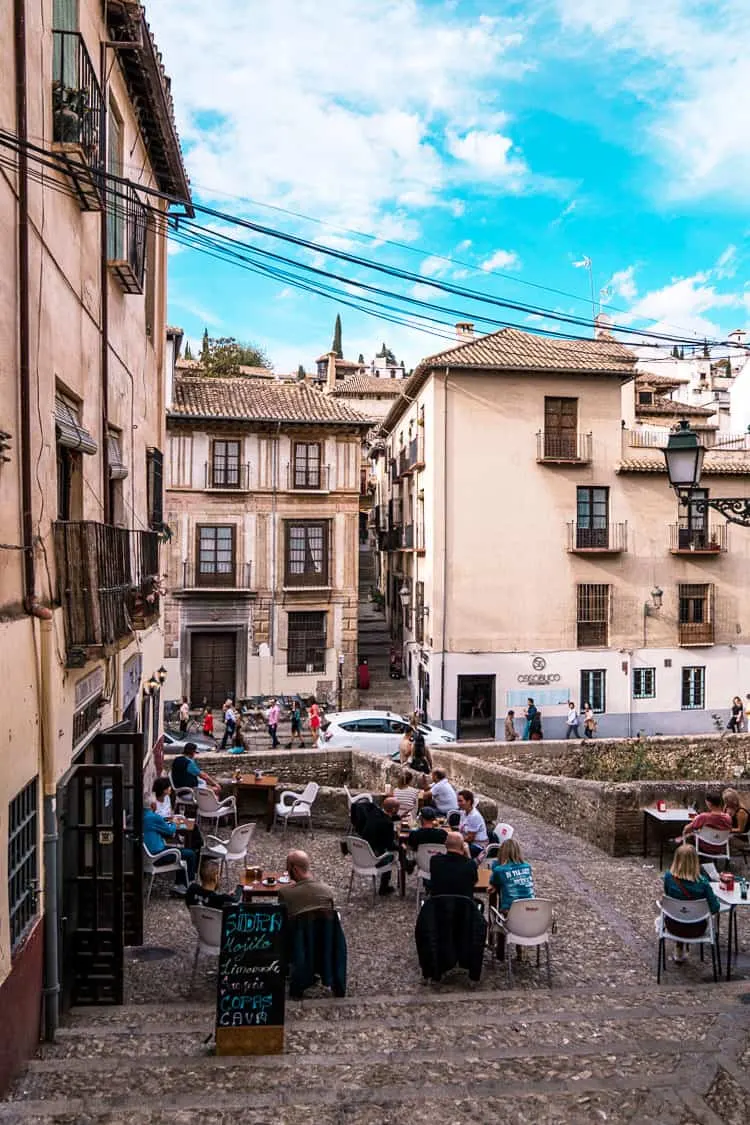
(193, 308)
(726, 264)
(681, 307)
(502, 260)
(622, 284)
(434, 266)
(344, 112)
(566, 211)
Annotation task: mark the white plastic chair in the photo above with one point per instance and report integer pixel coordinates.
(184, 796)
(352, 798)
(365, 863)
(296, 806)
(207, 923)
(212, 809)
(423, 855)
(169, 861)
(529, 922)
(695, 920)
(716, 838)
(234, 850)
(491, 855)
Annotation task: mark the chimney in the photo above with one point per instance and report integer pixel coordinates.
(464, 331)
(331, 381)
(602, 326)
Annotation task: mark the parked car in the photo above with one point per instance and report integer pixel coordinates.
(175, 739)
(377, 731)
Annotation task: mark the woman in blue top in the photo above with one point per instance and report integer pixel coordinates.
(511, 876)
(685, 880)
(158, 835)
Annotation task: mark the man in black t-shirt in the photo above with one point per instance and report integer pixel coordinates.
(205, 893)
(429, 833)
(453, 873)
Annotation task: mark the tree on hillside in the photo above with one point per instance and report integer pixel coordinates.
(225, 356)
(336, 345)
(188, 352)
(682, 353)
(675, 352)
(361, 359)
(204, 346)
(301, 373)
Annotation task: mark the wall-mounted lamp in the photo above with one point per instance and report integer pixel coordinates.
(425, 611)
(161, 674)
(151, 685)
(656, 598)
(146, 687)
(405, 595)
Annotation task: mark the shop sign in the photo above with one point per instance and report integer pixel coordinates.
(132, 674)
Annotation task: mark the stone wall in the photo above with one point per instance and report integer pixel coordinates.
(293, 767)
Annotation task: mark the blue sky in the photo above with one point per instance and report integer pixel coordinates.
(511, 138)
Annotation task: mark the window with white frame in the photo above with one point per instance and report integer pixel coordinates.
(644, 683)
(594, 688)
(693, 688)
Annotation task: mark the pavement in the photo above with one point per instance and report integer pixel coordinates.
(604, 1044)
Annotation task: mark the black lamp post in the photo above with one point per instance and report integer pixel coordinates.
(684, 455)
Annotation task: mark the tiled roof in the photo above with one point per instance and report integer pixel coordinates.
(359, 385)
(718, 466)
(338, 362)
(670, 408)
(258, 400)
(513, 350)
(649, 379)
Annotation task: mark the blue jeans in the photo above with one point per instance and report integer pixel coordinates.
(526, 730)
(572, 731)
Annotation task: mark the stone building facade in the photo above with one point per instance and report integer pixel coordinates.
(263, 482)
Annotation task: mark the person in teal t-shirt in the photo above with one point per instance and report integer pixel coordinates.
(511, 876)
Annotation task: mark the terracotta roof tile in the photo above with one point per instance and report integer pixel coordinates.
(369, 385)
(258, 400)
(670, 408)
(649, 379)
(716, 466)
(513, 350)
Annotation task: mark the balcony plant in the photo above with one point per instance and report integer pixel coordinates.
(73, 116)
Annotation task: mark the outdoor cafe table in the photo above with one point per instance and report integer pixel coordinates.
(249, 783)
(666, 824)
(264, 890)
(732, 900)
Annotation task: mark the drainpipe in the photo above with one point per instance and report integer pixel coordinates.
(50, 840)
(274, 497)
(445, 545)
(104, 289)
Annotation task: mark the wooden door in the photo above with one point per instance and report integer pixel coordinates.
(561, 428)
(213, 665)
(122, 746)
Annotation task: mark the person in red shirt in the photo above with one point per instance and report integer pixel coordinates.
(208, 723)
(314, 713)
(713, 817)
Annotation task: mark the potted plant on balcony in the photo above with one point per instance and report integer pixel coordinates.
(72, 113)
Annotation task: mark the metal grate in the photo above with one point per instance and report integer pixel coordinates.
(306, 642)
(592, 616)
(644, 683)
(693, 688)
(696, 619)
(594, 689)
(23, 863)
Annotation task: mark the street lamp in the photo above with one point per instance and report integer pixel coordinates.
(684, 455)
(161, 674)
(405, 595)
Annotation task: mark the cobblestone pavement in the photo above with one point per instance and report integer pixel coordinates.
(605, 1044)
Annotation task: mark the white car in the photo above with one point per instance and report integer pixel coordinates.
(377, 731)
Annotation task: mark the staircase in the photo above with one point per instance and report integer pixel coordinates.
(384, 694)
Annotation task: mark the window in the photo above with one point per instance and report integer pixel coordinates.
(592, 517)
(693, 523)
(307, 464)
(594, 689)
(115, 209)
(215, 553)
(23, 862)
(306, 553)
(592, 614)
(695, 620)
(225, 464)
(693, 688)
(180, 460)
(306, 642)
(155, 488)
(645, 398)
(419, 612)
(644, 683)
(117, 474)
(72, 440)
(560, 428)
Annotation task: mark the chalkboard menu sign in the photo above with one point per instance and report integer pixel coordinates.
(252, 980)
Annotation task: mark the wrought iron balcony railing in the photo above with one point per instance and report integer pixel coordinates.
(709, 540)
(231, 576)
(308, 478)
(127, 224)
(611, 539)
(565, 448)
(235, 477)
(77, 113)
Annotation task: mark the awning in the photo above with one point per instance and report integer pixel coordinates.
(70, 432)
(117, 470)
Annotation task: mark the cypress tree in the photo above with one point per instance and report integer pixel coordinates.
(205, 350)
(300, 372)
(336, 345)
(188, 352)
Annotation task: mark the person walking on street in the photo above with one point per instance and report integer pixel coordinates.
(571, 721)
(273, 722)
(230, 724)
(208, 722)
(296, 720)
(589, 721)
(737, 721)
(529, 715)
(510, 728)
(314, 723)
(184, 714)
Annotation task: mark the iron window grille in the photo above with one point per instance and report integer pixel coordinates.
(593, 612)
(23, 862)
(306, 642)
(693, 688)
(594, 689)
(644, 683)
(155, 488)
(307, 553)
(695, 620)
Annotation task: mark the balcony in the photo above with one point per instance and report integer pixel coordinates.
(395, 517)
(390, 540)
(610, 540)
(393, 473)
(695, 633)
(407, 536)
(107, 583)
(563, 449)
(416, 452)
(232, 478)
(199, 579)
(403, 462)
(77, 117)
(684, 540)
(306, 479)
(127, 222)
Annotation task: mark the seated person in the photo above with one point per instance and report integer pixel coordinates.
(306, 892)
(158, 835)
(406, 794)
(429, 833)
(186, 773)
(205, 893)
(739, 816)
(511, 876)
(454, 873)
(378, 829)
(471, 824)
(421, 759)
(685, 880)
(163, 796)
(442, 794)
(713, 817)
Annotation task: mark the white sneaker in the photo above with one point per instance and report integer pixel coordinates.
(679, 958)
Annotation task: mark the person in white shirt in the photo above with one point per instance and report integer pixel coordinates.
(442, 795)
(572, 721)
(163, 797)
(471, 825)
(184, 714)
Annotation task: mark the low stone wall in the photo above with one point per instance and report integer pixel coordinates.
(327, 767)
(719, 744)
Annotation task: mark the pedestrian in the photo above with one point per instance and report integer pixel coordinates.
(230, 724)
(589, 721)
(510, 729)
(536, 734)
(208, 722)
(737, 720)
(571, 721)
(314, 723)
(296, 720)
(184, 714)
(529, 715)
(273, 722)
